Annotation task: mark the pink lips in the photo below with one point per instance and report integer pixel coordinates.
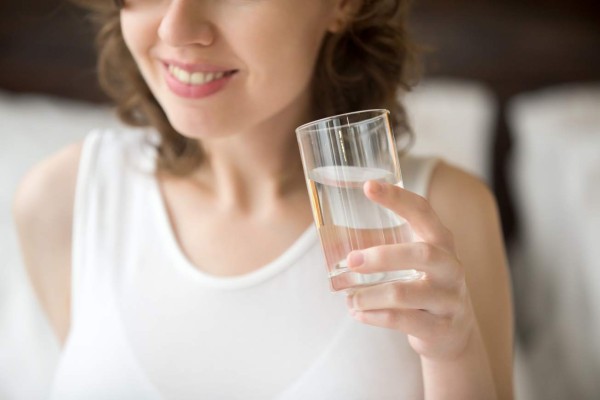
(196, 91)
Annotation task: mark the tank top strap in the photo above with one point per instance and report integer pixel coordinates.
(108, 161)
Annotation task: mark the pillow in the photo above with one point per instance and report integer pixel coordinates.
(556, 175)
(454, 119)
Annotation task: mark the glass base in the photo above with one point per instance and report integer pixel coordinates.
(342, 278)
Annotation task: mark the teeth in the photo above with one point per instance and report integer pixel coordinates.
(195, 78)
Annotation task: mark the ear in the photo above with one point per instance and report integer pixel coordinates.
(344, 12)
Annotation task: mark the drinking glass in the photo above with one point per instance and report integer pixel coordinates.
(339, 154)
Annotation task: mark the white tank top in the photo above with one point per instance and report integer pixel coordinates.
(147, 324)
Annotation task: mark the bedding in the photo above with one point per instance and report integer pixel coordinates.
(556, 175)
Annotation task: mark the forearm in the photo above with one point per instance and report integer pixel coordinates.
(466, 377)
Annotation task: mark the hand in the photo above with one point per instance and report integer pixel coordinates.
(435, 311)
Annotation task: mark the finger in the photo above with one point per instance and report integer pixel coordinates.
(436, 262)
(416, 295)
(416, 323)
(340, 240)
(415, 209)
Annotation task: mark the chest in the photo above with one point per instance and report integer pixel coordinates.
(287, 338)
(227, 241)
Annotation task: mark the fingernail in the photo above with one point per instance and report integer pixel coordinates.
(355, 259)
(376, 187)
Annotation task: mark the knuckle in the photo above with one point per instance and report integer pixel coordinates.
(448, 237)
(421, 205)
(448, 234)
(444, 325)
(453, 303)
(425, 252)
(358, 301)
(396, 294)
(456, 273)
(390, 319)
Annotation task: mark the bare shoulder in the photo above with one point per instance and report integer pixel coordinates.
(43, 213)
(452, 189)
(49, 176)
(468, 208)
(46, 192)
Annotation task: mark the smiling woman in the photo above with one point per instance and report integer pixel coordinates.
(361, 65)
(179, 260)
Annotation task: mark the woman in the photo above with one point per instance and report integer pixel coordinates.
(174, 261)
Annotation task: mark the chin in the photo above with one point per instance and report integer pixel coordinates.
(198, 126)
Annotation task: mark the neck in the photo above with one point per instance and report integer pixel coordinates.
(257, 167)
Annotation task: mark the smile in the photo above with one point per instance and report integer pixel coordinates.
(196, 78)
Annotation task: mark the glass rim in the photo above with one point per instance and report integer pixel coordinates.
(302, 129)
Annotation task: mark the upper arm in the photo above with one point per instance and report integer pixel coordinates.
(43, 214)
(468, 208)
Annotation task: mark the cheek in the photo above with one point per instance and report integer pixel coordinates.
(138, 33)
(129, 32)
(281, 56)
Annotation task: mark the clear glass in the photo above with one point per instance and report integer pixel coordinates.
(340, 154)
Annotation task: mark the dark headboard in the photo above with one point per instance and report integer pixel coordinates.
(513, 46)
(46, 46)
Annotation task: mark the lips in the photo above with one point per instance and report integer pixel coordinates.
(196, 80)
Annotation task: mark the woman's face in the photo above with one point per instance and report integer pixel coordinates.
(218, 67)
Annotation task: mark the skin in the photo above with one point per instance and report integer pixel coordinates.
(458, 318)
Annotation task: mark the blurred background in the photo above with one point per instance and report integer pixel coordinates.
(510, 92)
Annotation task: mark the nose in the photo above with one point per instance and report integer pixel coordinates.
(185, 22)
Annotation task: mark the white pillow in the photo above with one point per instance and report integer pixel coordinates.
(556, 176)
(454, 119)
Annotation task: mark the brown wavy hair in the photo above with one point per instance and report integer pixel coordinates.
(364, 66)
